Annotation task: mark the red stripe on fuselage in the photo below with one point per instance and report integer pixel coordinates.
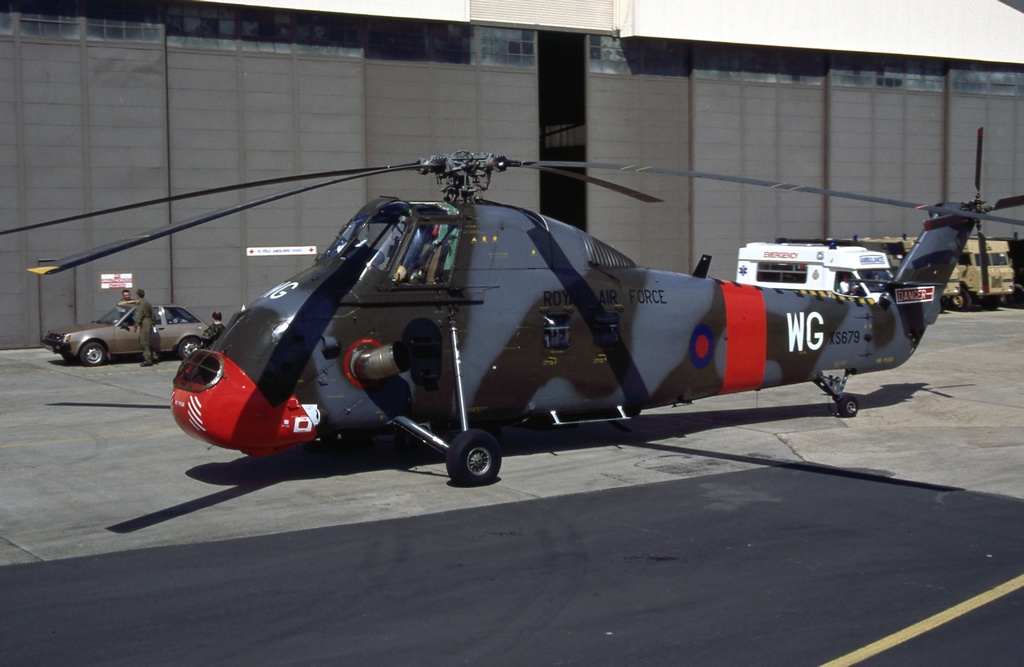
(746, 332)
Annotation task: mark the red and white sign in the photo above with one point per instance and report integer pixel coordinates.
(115, 280)
(915, 294)
(277, 251)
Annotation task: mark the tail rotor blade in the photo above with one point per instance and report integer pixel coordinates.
(977, 161)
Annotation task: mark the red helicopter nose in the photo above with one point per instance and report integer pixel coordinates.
(215, 401)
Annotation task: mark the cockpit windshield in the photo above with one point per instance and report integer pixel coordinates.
(382, 231)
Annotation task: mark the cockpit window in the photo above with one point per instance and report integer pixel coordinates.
(382, 232)
(430, 255)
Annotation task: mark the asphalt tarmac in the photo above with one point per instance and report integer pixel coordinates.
(747, 529)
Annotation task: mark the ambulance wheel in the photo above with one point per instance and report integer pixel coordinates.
(474, 458)
(847, 407)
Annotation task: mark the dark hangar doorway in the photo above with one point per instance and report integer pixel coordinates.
(561, 76)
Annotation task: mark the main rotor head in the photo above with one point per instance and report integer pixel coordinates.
(462, 175)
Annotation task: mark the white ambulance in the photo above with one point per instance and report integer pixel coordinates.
(849, 271)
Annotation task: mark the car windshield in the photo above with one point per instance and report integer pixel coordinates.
(874, 280)
(114, 315)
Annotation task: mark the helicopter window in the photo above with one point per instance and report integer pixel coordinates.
(556, 331)
(349, 232)
(200, 371)
(606, 329)
(430, 255)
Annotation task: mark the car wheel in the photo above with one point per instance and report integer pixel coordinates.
(187, 346)
(93, 353)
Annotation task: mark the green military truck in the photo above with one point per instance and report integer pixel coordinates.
(966, 287)
(1015, 252)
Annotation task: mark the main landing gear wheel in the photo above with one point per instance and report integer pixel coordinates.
(847, 407)
(474, 458)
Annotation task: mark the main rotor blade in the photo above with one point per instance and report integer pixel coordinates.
(614, 187)
(775, 185)
(76, 259)
(213, 191)
(977, 161)
(1009, 202)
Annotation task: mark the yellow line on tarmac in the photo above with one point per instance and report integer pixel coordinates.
(60, 442)
(928, 624)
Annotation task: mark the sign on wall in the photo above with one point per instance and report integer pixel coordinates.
(277, 251)
(116, 281)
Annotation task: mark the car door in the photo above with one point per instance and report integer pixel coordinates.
(125, 339)
(158, 340)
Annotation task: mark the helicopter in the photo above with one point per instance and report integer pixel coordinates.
(445, 321)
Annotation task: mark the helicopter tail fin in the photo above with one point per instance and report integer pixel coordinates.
(924, 272)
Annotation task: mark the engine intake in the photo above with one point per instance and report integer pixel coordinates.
(368, 361)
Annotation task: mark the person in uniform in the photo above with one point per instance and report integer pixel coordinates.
(144, 323)
(213, 331)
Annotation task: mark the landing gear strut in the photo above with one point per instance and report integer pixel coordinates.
(834, 385)
(473, 458)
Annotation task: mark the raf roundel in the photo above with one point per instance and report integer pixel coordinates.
(702, 346)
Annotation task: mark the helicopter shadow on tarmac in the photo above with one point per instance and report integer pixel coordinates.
(247, 475)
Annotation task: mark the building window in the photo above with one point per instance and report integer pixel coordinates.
(266, 30)
(123, 21)
(6, 18)
(983, 79)
(652, 57)
(925, 75)
(759, 65)
(397, 40)
(334, 34)
(202, 26)
(504, 47)
(49, 18)
(451, 43)
(887, 72)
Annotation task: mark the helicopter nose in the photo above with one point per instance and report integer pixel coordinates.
(213, 400)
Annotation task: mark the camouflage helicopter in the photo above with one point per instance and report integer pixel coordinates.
(464, 316)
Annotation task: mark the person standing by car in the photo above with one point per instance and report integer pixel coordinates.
(144, 323)
(126, 298)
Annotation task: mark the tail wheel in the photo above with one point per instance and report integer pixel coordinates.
(847, 407)
(474, 458)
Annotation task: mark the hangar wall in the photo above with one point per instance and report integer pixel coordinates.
(96, 112)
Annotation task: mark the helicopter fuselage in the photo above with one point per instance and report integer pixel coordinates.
(527, 319)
